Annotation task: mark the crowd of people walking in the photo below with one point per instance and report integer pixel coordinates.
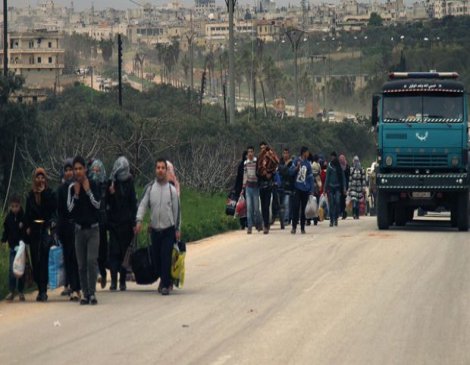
(280, 188)
(95, 218)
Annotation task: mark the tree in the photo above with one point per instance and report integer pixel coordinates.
(106, 47)
(375, 20)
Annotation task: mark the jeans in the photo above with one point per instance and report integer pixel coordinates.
(252, 207)
(265, 195)
(12, 280)
(87, 243)
(162, 249)
(67, 238)
(300, 203)
(334, 197)
(286, 202)
(355, 208)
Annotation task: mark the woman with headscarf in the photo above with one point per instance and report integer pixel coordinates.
(335, 185)
(345, 167)
(357, 185)
(122, 210)
(40, 217)
(171, 176)
(66, 233)
(97, 173)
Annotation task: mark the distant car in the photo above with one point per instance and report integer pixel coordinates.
(331, 117)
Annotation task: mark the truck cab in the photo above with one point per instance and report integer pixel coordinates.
(421, 121)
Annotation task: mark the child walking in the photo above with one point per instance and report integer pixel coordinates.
(13, 228)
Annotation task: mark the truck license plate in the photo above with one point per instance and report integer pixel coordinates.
(421, 195)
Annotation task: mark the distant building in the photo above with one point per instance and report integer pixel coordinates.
(37, 56)
(219, 31)
(443, 8)
(205, 6)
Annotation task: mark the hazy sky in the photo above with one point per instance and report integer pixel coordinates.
(124, 4)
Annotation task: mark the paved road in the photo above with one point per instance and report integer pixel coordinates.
(350, 295)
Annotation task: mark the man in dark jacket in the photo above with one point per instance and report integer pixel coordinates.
(66, 233)
(84, 203)
(287, 184)
(266, 168)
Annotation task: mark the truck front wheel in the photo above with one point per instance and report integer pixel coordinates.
(384, 211)
(462, 211)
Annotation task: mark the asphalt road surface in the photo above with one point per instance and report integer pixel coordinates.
(351, 295)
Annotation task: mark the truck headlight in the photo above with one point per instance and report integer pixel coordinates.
(455, 161)
(389, 160)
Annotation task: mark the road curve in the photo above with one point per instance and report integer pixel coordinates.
(351, 295)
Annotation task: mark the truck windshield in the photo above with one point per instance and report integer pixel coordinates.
(407, 108)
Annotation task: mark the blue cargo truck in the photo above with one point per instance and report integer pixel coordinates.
(421, 121)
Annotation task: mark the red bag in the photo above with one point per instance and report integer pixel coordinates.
(240, 210)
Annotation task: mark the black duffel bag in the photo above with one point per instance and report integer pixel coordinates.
(142, 264)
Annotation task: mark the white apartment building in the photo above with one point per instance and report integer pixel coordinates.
(37, 56)
(442, 8)
(216, 31)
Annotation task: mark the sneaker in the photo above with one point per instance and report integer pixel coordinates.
(266, 231)
(103, 281)
(302, 231)
(336, 223)
(122, 287)
(165, 291)
(293, 231)
(22, 298)
(75, 297)
(10, 297)
(66, 292)
(113, 287)
(93, 300)
(331, 223)
(249, 231)
(85, 300)
(42, 297)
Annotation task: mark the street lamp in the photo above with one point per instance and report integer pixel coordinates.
(295, 36)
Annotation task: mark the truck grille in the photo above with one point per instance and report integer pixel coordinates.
(422, 161)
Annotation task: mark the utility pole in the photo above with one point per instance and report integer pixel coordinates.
(5, 38)
(190, 38)
(231, 59)
(119, 40)
(295, 37)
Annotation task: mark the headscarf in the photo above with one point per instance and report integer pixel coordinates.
(39, 188)
(343, 162)
(98, 177)
(171, 176)
(357, 162)
(121, 170)
(67, 163)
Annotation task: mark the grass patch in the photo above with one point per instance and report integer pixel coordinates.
(4, 252)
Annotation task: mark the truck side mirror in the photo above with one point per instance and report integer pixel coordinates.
(375, 109)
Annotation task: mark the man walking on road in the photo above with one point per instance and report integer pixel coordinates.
(83, 203)
(335, 185)
(161, 198)
(251, 189)
(267, 166)
(287, 184)
(304, 187)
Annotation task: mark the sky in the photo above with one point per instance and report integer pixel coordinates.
(125, 4)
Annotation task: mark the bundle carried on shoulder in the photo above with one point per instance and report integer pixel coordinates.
(268, 162)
